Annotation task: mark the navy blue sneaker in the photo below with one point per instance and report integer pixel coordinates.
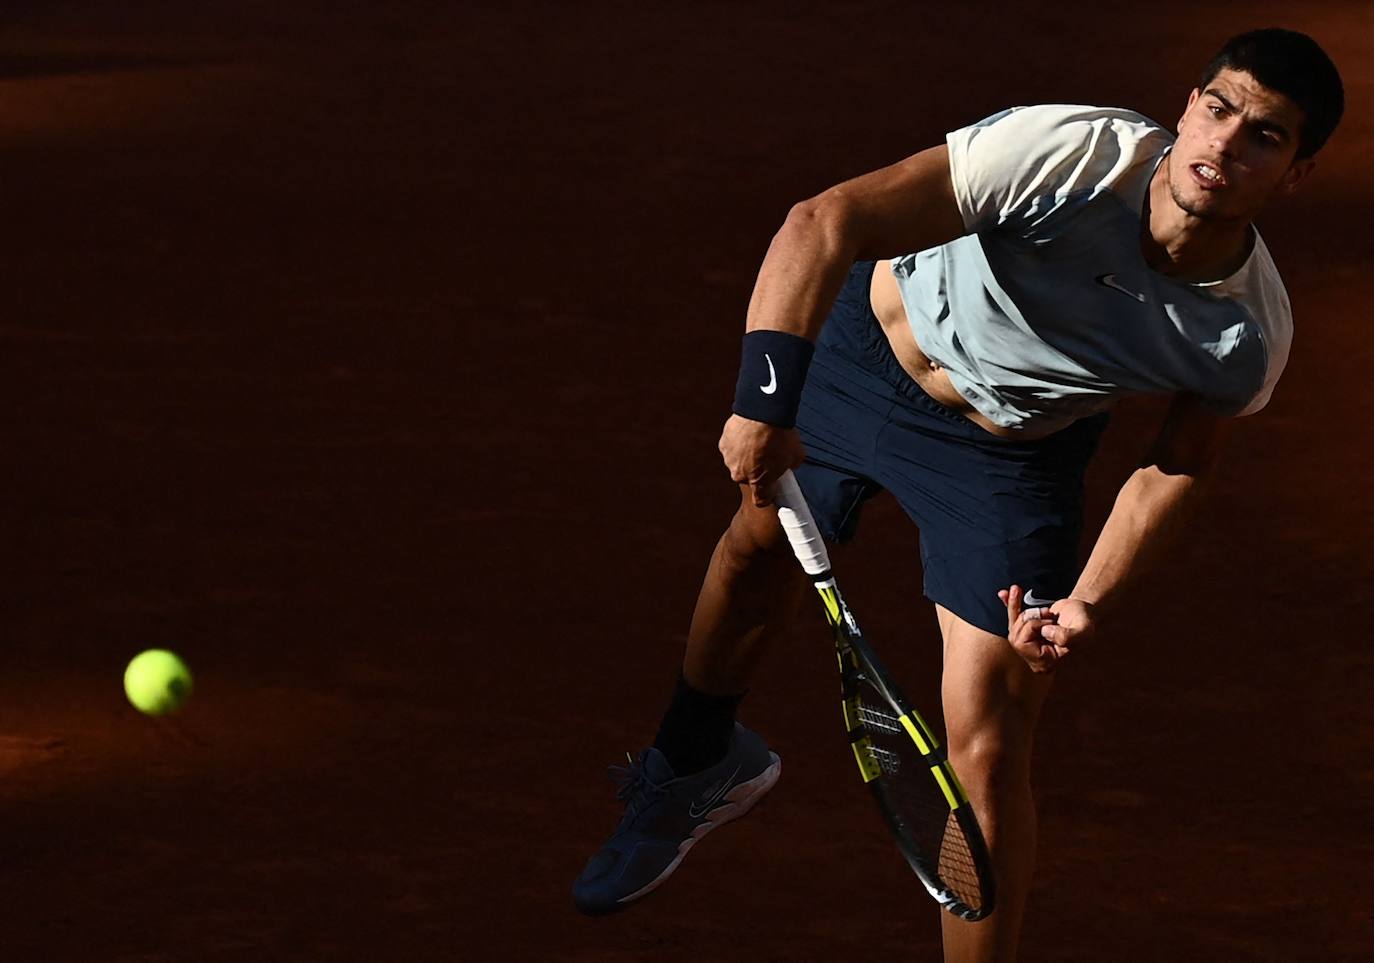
(665, 816)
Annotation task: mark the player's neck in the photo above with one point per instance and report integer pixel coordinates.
(1186, 247)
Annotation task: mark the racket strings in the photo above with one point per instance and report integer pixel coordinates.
(876, 718)
(917, 803)
(957, 866)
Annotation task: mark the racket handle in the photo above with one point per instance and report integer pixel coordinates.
(800, 527)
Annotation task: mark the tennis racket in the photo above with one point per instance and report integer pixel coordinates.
(900, 759)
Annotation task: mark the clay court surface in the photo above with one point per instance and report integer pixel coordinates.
(372, 356)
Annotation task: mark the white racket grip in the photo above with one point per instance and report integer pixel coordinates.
(800, 527)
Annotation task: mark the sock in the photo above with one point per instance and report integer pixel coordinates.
(695, 731)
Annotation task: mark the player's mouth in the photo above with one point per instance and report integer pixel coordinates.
(1208, 176)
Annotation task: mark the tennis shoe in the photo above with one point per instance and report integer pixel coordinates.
(665, 816)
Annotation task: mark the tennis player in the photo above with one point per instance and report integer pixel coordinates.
(954, 329)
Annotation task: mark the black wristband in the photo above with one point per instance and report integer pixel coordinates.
(772, 370)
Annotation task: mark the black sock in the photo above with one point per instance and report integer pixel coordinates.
(695, 731)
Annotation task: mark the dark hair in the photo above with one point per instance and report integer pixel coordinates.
(1292, 64)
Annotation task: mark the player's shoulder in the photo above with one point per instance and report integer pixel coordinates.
(1072, 124)
(1259, 290)
(1016, 164)
(1259, 287)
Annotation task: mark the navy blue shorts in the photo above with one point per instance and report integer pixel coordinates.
(990, 511)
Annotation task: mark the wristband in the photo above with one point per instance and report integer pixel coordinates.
(772, 370)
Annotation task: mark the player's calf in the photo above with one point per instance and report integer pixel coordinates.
(751, 589)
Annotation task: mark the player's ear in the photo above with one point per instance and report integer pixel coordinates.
(1192, 99)
(1297, 172)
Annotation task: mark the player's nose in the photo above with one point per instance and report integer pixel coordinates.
(1226, 137)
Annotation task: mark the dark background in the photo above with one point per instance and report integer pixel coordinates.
(373, 359)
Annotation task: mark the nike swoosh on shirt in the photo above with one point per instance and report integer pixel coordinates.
(772, 385)
(1036, 603)
(696, 811)
(1109, 280)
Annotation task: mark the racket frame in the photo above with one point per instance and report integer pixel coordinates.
(858, 662)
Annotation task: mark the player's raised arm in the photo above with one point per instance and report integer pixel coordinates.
(909, 206)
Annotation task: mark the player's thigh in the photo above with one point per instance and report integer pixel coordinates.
(992, 699)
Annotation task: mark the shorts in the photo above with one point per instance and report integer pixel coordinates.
(990, 511)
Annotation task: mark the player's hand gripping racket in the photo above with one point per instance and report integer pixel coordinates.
(899, 757)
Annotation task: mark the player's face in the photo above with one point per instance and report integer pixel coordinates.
(1236, 148)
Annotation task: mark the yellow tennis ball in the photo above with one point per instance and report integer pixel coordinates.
(157, 682)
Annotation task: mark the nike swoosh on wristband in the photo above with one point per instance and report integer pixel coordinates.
(696, 811)
(1109, 280)
(772, 385)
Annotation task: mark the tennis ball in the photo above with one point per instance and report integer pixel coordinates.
(157, 682)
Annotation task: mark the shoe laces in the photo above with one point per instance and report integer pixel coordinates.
(633, 786)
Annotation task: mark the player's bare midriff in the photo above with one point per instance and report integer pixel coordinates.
(933, 379)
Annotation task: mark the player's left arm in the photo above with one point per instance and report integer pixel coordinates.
(1153, 505)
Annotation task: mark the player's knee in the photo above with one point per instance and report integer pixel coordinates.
(989, 759)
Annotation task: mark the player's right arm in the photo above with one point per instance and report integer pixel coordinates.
(907, 207)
